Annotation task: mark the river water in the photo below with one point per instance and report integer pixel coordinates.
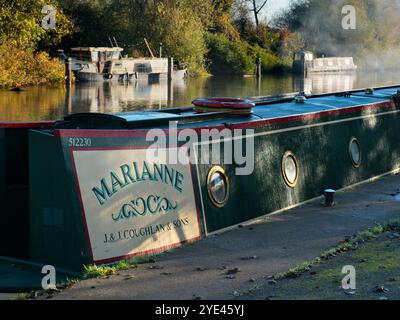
(48, 103)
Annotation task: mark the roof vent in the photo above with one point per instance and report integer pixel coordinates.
(300, 98)
(369, 91)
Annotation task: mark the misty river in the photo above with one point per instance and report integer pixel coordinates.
(48, 103)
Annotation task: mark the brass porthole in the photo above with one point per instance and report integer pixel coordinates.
(290, 169)
(218, 186)
(355, 152)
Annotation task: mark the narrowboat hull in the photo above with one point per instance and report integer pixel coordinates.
(95, 197)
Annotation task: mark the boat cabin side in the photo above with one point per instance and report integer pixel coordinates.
(97, 58)
(109, 62)
(306, 62)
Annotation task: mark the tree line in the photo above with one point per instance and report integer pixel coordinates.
(210, 36)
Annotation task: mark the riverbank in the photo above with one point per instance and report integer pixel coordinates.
(227, 266)
(23, 68)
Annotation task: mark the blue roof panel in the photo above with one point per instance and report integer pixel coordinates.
(323, 103)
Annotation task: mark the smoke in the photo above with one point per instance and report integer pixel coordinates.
(374, 43)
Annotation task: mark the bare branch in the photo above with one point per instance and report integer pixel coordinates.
(256, 7)
(262, 6)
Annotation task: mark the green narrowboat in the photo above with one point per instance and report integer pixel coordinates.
(105, 187)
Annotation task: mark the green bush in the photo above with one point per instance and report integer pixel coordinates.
(228, 57)
(271, 62)
(238, 57)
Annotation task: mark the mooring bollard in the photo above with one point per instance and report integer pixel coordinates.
(329, 197)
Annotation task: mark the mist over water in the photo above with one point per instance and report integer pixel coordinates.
(374, 43)
(46, 103)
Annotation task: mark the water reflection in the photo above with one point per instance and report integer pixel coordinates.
(37, 103)
(115, 97)
(44, 103)
(321, 83)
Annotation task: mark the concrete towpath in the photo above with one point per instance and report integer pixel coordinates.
(274, 245)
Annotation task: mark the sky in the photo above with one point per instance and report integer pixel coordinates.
(274, 6)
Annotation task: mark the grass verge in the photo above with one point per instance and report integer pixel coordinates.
(346, 245)
(375, 276)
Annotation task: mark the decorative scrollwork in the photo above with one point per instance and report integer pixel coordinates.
(153, 204)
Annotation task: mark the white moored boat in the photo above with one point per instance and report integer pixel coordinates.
(107, 64)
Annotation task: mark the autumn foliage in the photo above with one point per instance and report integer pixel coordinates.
(21, 68)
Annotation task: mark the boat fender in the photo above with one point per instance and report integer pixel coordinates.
(227, 105)
(108, 76)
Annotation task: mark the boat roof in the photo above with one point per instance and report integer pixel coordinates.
(267, 109)
(98, 49)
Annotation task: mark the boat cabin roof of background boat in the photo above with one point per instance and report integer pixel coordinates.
(98, 49)
(95, 54)
(105, 53)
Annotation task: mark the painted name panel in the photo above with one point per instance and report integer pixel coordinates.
(133, 206)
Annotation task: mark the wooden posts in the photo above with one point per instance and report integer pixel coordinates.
(68, 82)
(68, 100)
(68, 71)
(170, 78)
(258, 75)
(170, 68)
(258, 68)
